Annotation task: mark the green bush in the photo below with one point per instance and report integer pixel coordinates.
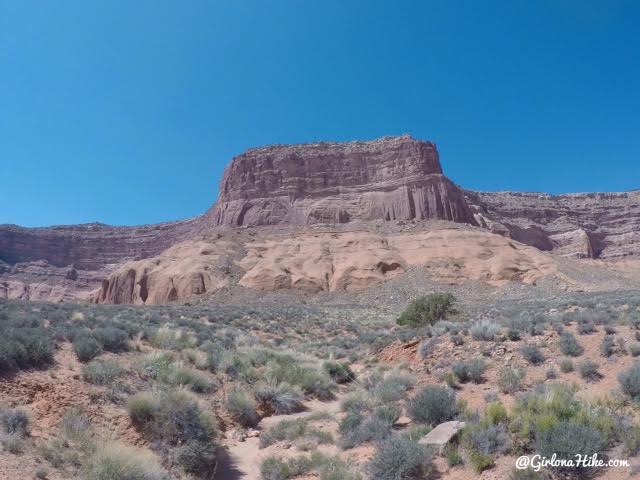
(392, 387)
(196, 457)
(432, 405)
(472, 370)
(292, 430)
(23, 348)
(142, 407)
(567, 438)
(15, 422)
(484, 330)
(278, 398)
(196, 381)
(569, 345)
(480, 461)
(115, 461)
(310, 380)
(427, 310)
(630, 381)
(532, 354)
(510, 379)
(174, 418)
(112, 339)
(357, 428)
(589, 371)
(495, 413)
(566, 365)
(634, 349)
(339, 372)
(242, 408)
(486, 438)
(86, 347)
(400, 458)
(102, 372)
(607, 347)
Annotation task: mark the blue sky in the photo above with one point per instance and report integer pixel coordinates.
(126, 112)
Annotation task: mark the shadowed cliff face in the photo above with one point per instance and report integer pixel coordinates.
(394, 178)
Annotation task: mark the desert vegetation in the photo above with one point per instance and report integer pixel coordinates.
(343, 392)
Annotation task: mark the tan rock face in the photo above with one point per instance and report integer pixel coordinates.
(394, 178)
(353, 261)
(189, 268)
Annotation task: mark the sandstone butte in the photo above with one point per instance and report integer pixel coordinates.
(328, 217)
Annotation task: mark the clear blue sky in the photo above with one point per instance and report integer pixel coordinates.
(126, 112)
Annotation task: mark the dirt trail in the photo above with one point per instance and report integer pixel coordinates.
(241, 460)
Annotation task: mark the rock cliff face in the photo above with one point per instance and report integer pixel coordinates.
(394, 178)
(584, 225)
(355, 187)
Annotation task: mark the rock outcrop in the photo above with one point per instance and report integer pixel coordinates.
(283, 192)
(583, 225)
(394, 178)
(186, 269)
(352, 261)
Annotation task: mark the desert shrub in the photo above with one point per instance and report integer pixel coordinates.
(427, 310)
(292, 430)
(102, 372)
(112, 339)
(115, 461)
(392, 387)
(310, 380)
(569, 345)
(484, 330)
(585, 327)
(273, 468)
(75, 426)
(432, 405)
(609, 329)
(174, 418)
(566, 365)
(279, 398)
(472, 370)
(196, 381)
(356, 428)
(486, 438)
(339, 372)
(15, 422)
(86, 347)
(566, 438)
(425, 347)
(630, 381)
(526, 474)
(532, 354)
(551, 373)
(480, 461)
(400, 458)
(22, 348)
(457, 339)
(607, 347)
(513, 334)
(242, 408)
(589, 370)
(495, 413)
(452, 454)
(41, 473)
(196, 457)
(142, 407)
(510, 379)
(459, 369)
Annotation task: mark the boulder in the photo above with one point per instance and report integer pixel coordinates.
(439, 437)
